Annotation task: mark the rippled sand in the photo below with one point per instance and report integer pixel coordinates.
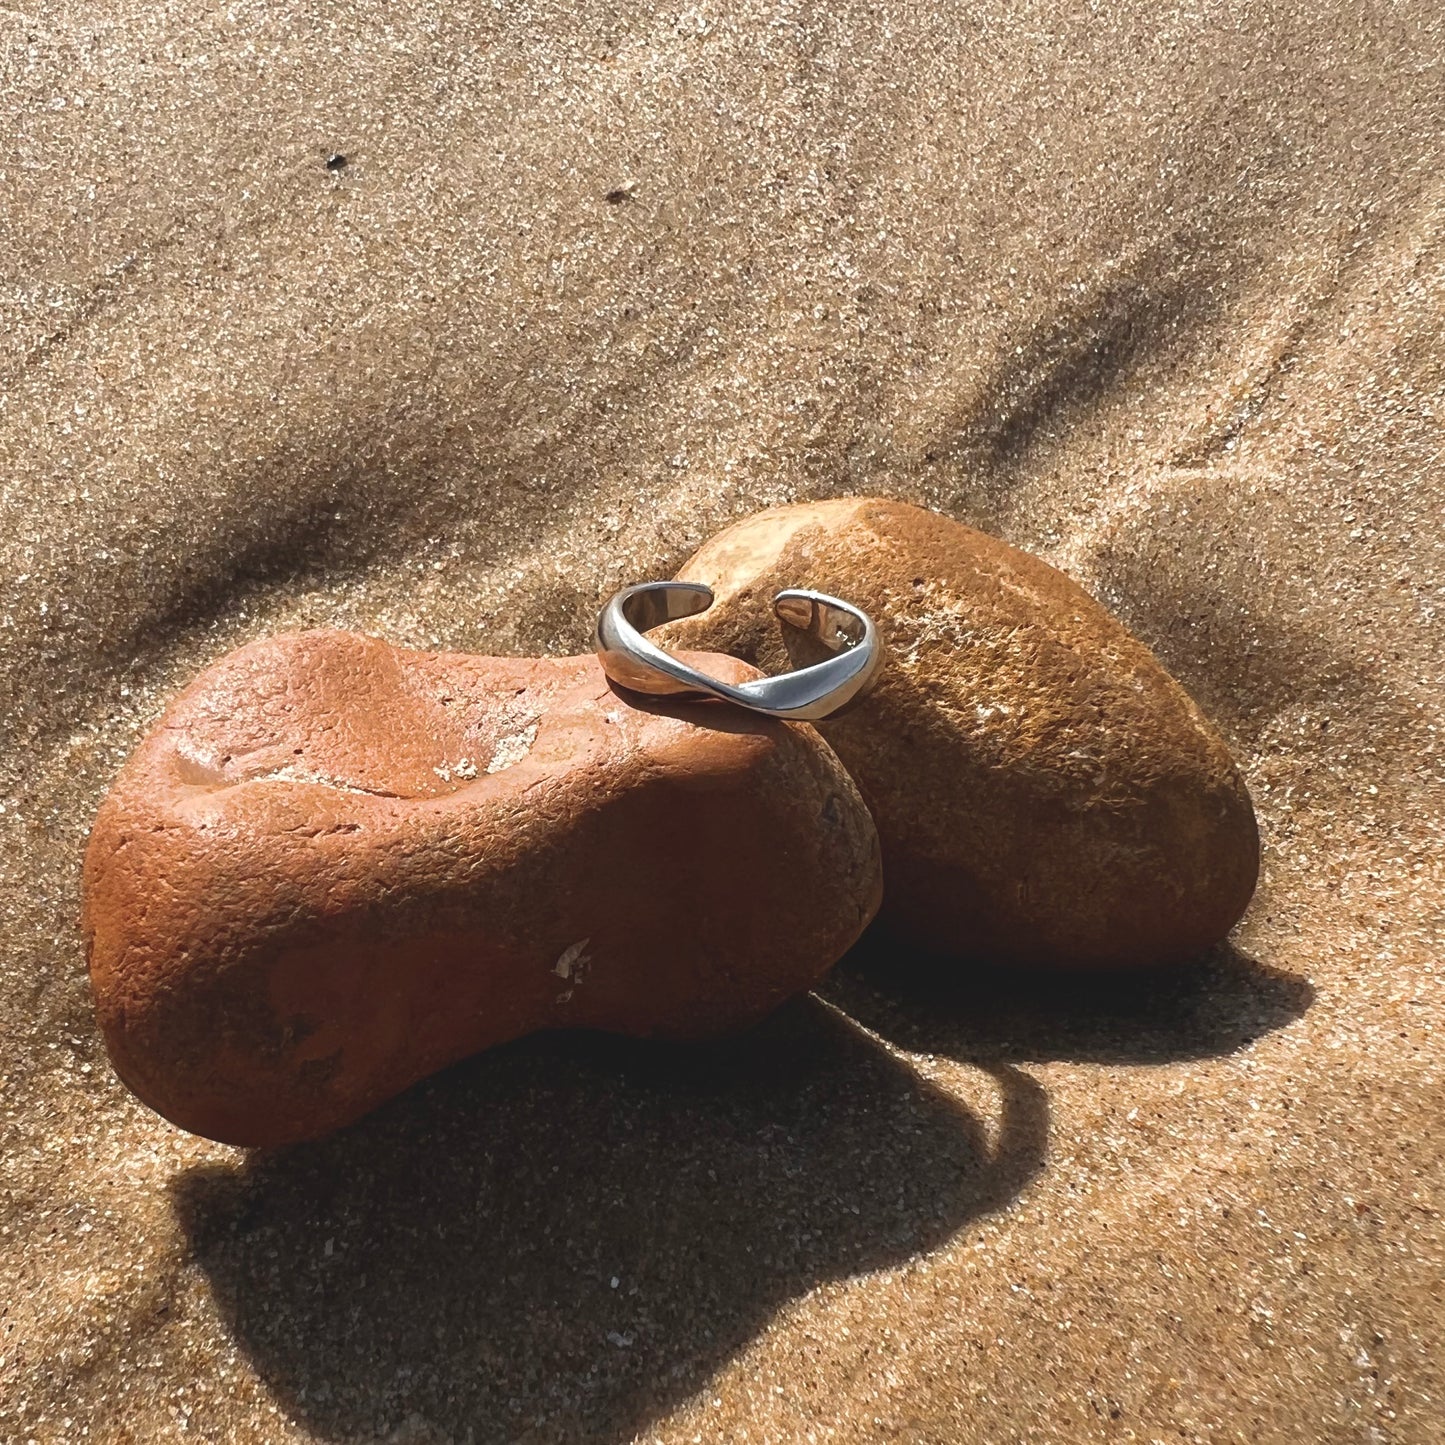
(1156, 291)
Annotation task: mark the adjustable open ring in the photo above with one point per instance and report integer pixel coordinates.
(631, 661)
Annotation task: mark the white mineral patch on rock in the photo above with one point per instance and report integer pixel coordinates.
(573, 958)
(512, 748)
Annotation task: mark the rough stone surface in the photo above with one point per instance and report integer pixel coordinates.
(1046, 793)
(336, 866)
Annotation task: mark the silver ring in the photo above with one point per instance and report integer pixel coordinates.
(631, 661)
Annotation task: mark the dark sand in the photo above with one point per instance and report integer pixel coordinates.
(1156, 291)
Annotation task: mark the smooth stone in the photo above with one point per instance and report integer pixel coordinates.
(1046, 794)
(335, 867)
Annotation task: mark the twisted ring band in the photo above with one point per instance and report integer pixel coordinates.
(633, 662)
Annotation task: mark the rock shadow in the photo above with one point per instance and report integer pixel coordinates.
(1213, 1006)
(563, 1238)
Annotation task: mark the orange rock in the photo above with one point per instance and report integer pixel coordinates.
(1045, 793)
(335, 867)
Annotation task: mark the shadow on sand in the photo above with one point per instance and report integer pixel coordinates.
(1213, 1006)
(451, 1259)
(564, 1238)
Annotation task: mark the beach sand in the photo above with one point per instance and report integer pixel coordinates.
(1154, 291)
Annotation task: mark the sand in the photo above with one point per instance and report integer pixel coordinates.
(1155, 291)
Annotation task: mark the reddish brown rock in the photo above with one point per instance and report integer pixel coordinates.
(335, 867)
(1046, 794)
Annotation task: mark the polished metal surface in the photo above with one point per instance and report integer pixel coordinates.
(631, 661)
